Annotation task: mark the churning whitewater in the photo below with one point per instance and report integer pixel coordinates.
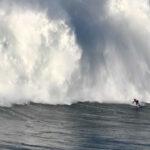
(100, 52)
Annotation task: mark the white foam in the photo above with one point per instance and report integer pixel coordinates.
(38, 56)
(40, 60)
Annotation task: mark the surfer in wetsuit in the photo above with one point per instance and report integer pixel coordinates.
(136, 102)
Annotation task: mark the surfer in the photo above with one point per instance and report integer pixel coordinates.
(136, 102)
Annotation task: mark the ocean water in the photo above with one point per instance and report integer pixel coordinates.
(80, 126)
(58, 58)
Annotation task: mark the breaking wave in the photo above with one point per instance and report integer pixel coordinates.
(45, 59)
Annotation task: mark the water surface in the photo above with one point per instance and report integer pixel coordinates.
(81, 126)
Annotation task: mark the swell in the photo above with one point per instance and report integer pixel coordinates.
(79, 126)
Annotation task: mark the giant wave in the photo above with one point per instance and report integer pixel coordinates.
(63, 52)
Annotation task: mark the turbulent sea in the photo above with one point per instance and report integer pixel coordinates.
(68, 72)
(80, 126)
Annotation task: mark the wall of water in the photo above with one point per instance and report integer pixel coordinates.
(67, 51)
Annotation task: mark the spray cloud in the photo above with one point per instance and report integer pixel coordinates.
(97, 52)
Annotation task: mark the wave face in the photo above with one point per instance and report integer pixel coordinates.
(62, 52)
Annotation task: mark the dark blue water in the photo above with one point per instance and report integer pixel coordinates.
(81, 126)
